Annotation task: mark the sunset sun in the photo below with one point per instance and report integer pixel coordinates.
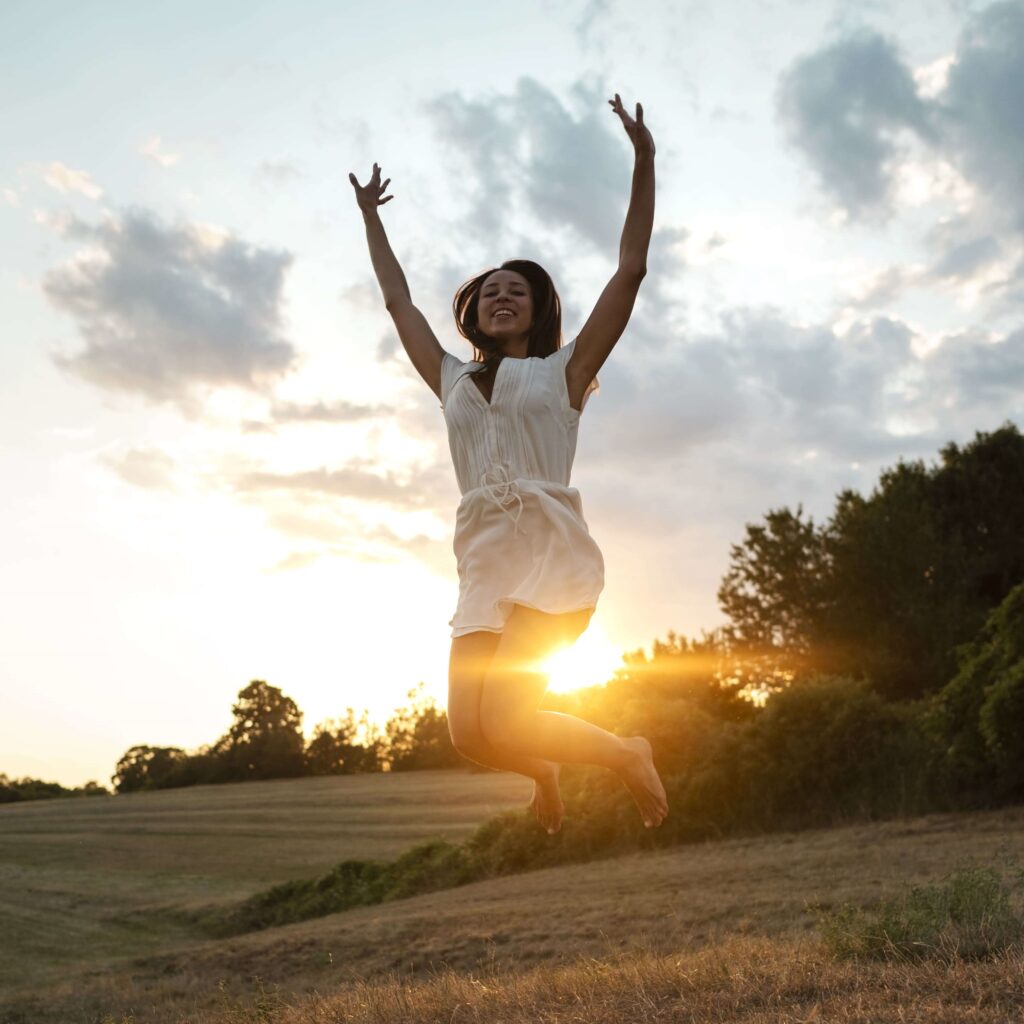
(589, 662)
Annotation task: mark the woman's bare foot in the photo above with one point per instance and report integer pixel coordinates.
(642, 780)
(547, 801)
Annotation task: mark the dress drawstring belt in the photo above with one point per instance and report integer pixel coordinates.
(502, 489)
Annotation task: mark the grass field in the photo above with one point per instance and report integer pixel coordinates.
(717, 931)
(85, 881)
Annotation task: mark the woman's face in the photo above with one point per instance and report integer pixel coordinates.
(505, 290)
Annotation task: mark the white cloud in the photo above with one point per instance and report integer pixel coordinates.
(849, 109)
(277, 173)
(853, 107)
(149, 468)
(66, 179)
(171, 312)
(527, 151)
(931, 78)
(982, 107)
(355, 481)
(151, 150)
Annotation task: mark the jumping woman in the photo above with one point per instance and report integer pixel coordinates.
(529, 571)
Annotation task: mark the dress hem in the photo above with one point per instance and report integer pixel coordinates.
(498, 629)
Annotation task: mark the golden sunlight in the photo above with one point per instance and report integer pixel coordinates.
(591, 661)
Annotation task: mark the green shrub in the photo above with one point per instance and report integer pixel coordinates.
(973, 912)
(353, 883)
(979, 715)
(833, 750)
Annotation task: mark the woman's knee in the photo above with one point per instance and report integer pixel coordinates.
(467, 737)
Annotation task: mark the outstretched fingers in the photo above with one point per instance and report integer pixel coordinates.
(619, 109)
(370, 193)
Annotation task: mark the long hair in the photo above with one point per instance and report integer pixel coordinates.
(545, 331)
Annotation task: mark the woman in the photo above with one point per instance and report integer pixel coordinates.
(529, 571)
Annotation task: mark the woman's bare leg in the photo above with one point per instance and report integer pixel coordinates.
(471, 656)
(511, 721)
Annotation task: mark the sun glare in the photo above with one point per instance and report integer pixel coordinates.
(589, 662)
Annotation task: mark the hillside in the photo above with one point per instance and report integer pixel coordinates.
(83, 882)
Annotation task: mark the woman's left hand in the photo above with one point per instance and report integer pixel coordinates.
(643, 141)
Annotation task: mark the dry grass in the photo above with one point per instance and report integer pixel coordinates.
(738, 904)
(753, 981)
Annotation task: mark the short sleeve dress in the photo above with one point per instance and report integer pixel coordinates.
(520, 536)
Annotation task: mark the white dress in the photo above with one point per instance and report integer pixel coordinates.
(520, 535)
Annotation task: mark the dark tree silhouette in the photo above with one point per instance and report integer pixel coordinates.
(893, 582)
(980, 714)
(345, 746)
(265, 740)
(144, 767)
(417, 736)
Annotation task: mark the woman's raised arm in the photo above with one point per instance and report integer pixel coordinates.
(418, 340)
(614, 306)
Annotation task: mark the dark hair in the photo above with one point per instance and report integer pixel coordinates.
(545, 330)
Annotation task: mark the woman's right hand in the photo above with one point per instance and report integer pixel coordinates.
(368, 195)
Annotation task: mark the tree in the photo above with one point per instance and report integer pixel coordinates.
(894, 581)
(775, 593)
(417, 736)
(892, 591)
(144, 767)
(335, 748)
(265, 740)
(980, 713)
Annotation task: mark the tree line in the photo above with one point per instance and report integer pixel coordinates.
(265, 741)
(13, 791)
(891, 585)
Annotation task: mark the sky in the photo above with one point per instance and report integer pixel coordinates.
(218, 462)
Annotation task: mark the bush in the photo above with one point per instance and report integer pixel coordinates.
(972, 913)
(353, 883)
(831, 750)
(979, 716)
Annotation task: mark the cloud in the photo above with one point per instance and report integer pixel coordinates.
(966, 258)
(666, 262)
(378, 545)
(422, 489)
(339, 411)
(970, 369)
(588, 18)
(355, 541)
(975, 265)
(761, 383)
(149, 468)
(151, 150)
(882, 287)
(981, 110)
(277, 173)
(66, 179)
(527, 151)
(170, 312)
(295, 560)
(844, 107)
